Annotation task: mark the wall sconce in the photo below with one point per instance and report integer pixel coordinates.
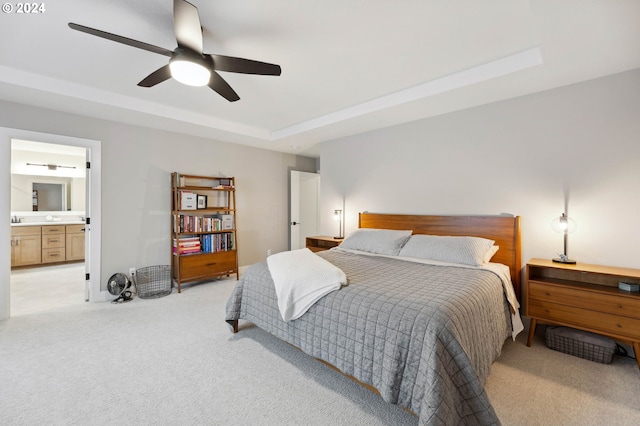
(337, 215)
(51, 166)
(564, 225)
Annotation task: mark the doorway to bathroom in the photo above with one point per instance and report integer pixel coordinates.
(60, 281)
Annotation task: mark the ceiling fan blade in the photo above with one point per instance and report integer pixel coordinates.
(186, 25)
(218, 84)
(120, 39)
(244, 66)
(156, 77)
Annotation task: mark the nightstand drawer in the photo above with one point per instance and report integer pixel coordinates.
(595, 321)
(585, 299)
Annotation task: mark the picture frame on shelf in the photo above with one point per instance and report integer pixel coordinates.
(202, 202)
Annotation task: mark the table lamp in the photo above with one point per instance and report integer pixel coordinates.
(564, 225)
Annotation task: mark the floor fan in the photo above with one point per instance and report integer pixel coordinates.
(119, 285)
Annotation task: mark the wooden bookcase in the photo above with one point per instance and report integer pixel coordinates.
(204, 243)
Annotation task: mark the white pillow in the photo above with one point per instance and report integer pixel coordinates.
(463, 250)
(380, 241)
(492, 251)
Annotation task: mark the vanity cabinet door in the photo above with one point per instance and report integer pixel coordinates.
(26, 246)
(75, 242)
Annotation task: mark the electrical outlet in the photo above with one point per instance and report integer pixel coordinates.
(132, 272)
(268, 252)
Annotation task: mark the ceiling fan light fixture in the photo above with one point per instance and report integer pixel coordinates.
(189, 72)
(189, 64)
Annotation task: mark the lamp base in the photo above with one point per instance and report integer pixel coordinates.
(338, 238)
(565, 260)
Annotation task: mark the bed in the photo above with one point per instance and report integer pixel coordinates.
(421, 333)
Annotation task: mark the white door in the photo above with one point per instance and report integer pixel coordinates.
(303, 207)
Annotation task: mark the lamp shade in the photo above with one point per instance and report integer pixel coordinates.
(337, 215)
(563, 224)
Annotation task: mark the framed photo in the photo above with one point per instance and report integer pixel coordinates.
(202, 201)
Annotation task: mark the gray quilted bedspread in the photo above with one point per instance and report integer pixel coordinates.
(425, 336)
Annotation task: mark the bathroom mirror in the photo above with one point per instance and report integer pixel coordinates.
(47, 193)
(49, 197)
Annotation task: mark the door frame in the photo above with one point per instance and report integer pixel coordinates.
(94, 207)
(293, 198)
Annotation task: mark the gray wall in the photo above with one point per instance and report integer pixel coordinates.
(136, 192)
(578, 145)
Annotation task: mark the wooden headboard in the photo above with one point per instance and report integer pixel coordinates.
(504, 230)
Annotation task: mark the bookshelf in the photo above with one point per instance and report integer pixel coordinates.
(204, 243)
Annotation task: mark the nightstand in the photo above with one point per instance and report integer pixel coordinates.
(321, 243)
(586, 297)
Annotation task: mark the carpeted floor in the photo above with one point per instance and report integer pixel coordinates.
(539, 386)
(174, 361)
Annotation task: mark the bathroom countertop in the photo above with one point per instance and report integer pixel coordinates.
(50, 222)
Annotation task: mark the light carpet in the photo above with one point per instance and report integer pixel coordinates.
(174, 361)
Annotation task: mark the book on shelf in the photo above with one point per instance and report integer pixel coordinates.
(213, 243)
(209, 243)
(205, 223)
(187, 245)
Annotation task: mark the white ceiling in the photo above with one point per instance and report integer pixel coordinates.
(347, 66)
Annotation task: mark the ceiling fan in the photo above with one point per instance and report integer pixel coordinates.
(188, 63)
